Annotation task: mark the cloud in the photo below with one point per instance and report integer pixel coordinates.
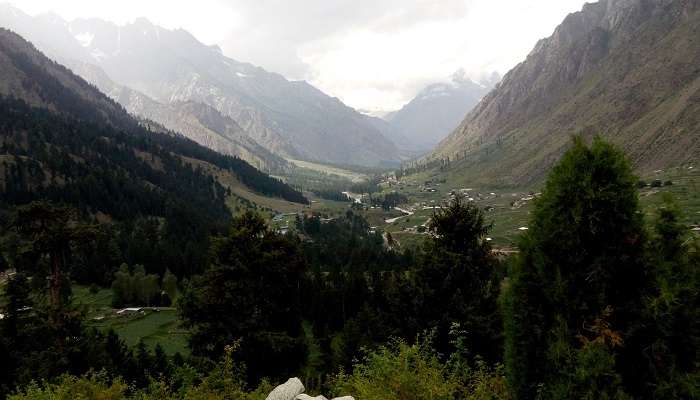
(209, 20)
(273, 32)
(377, 54)
(372, 54)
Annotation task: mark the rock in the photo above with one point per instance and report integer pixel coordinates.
(287, 391)
(307, 397)
(344, 398)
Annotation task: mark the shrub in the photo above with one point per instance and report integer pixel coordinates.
(94, 289)
(402, 371)
(398, 371)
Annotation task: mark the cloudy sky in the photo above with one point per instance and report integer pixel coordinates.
(373, 54)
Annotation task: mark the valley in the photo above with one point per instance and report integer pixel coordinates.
(193, 206)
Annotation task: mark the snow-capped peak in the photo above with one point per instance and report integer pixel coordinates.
(85, 39)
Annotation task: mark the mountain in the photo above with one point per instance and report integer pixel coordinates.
(624, 69)
(289, 118)
(63, 139)
(435, 112)
(197, 121)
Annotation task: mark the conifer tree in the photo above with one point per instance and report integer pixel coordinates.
(581, 265)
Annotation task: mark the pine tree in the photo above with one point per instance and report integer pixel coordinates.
(170, 285)
(51, 231)
(581, 261)
(161, 365)
(675, 309)
(250, 292)
(456, 280)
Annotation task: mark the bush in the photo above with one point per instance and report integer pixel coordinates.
(402, 371)
(398, 371)
(94, 289)
(95, 386)
(225, 381)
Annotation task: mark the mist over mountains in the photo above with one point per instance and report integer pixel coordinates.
(288, 118)
(571, 83)
(437, 110)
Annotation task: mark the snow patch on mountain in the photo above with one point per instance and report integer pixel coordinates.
(85, 38)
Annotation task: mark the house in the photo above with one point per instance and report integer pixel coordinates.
(129, 310)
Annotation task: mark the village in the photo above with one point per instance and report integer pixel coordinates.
(507, 210)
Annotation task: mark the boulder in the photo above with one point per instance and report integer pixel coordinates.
(287, 391)
(344, 398)
(307, 397)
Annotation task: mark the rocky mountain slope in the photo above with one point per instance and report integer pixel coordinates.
(291, 119)
(197, 121)
(435, 112)
(625, 69)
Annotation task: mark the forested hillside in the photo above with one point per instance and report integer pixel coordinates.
(133, 267)
(290, 118)
(599, 303)
(62, 140)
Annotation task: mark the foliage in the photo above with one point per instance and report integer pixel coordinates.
(674, 310)
(224, 381)
(405, 371)
(69, 387)
(576, 303)
(596, 305)
(457, 280)
(250, 293)
(330, 194)
(126, 175)
(390, 200)
(48, 235)
(135, 288)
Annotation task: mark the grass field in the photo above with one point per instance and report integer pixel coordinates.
(153, 327)
(508, 212)
(331, 170)
(685, 190)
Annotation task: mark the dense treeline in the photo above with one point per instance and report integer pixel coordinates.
(162, 208)
(42, 335)
(597, 304)
(49, 133)
(340, 289)
(369, 186)
(85, 106)
(331, 194)
(389, 200)
(133, 287)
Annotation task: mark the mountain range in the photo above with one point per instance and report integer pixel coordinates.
(161, 74)
(62, 139)
(436, 111)
(627, 70)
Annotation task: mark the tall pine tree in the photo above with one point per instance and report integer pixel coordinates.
(580, 278)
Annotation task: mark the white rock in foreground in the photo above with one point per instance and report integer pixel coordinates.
(344, 398)
(287, 391)
(307, 397)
